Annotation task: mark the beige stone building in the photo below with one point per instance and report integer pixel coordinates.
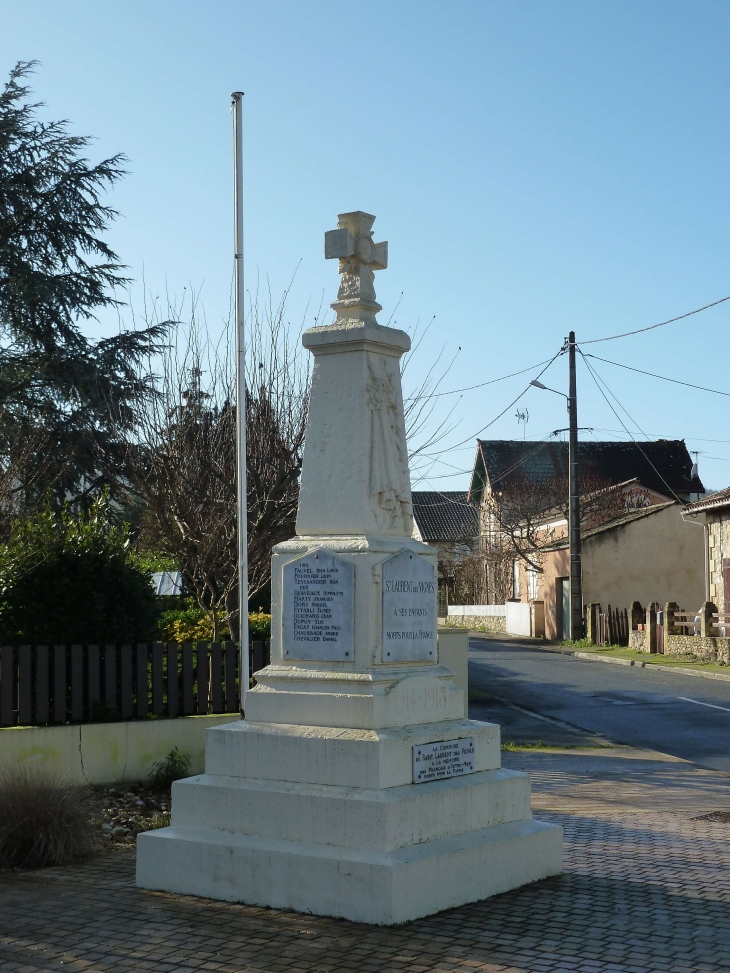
(713, 513)
(652, 554)
(636, 544)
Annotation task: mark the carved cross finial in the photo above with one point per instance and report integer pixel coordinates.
(352, 243)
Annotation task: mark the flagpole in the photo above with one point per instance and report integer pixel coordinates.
(237, 97)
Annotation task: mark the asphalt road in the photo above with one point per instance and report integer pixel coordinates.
(685, 716)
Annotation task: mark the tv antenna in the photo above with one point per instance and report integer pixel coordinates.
(524, 418)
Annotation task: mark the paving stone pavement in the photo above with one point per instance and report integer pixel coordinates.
(646, 890)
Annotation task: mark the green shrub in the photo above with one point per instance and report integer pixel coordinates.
(259, 625)
(42, 821)
(189, 624)
(168, 769)
(68, 579)
(153, 561)
(193, 624)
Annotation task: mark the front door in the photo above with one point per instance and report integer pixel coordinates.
(562, 602)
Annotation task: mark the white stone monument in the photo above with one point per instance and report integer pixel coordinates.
(354, 787)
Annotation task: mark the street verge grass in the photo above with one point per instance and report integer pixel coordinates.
(687, 661)
(513, 747)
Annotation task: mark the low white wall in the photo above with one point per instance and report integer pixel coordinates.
(518, 618)
(480, 610)
(109, 753)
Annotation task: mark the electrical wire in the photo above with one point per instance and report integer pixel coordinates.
(469, 388)
(661, 324)
(694, 439)
(594, 376)
(664, 378)
(513, 402)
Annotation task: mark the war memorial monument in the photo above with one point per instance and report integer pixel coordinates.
(354, 786)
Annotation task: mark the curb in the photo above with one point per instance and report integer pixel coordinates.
(593, 657)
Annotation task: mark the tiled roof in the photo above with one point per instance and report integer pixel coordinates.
(663, 465)
(444, 516)
(719, 499)
(627, 518)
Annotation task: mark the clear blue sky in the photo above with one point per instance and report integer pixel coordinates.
(535, 166)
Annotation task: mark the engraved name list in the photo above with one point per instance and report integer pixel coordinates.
(318, 618)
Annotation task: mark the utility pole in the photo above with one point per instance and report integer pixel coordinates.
(242, 507)
(576, 583)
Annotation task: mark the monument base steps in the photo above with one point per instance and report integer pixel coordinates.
(348, 833)
(370, 699)
(377, 820)
(338, 755)
(382, 888)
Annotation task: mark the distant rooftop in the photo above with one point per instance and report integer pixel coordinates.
(663, 465)
(715, 500)
(444, 516)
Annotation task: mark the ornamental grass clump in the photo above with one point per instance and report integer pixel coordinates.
(43, 820)
(174, 766)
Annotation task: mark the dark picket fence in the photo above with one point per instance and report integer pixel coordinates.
(613, 627)
(53, 684)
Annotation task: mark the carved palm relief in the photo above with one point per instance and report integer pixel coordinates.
(390, 488)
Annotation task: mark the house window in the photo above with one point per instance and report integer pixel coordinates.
(516, 580)
(532, 584)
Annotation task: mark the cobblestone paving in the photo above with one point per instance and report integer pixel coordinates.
(643, 892)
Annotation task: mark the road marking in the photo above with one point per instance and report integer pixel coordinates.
(686, 699)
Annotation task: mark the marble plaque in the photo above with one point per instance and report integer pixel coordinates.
(319, 608)
(447, 758)
(409, 609)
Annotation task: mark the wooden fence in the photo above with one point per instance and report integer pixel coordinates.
(612, 627)
(42, 684)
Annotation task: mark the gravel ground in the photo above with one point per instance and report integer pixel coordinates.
(121, 812)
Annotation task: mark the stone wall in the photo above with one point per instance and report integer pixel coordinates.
(707, 649)
(718, 526)
(637, 641)
(492, 624)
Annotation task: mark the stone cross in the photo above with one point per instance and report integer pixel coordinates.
(352, 243)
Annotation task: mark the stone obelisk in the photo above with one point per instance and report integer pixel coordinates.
(354, 787)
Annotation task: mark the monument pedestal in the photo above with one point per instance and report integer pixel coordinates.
(342, 830)
(354, 787)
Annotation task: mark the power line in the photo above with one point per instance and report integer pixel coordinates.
(513, 402)
(469, 388)
(661, 324)
(694, 439)
(653, 375)
(608, 401)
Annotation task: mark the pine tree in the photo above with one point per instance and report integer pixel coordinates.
(64, 399)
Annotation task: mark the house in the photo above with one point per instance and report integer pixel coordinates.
(713, 514)
(652, 554)
(663, 467)
(636, 544)
(446, 521)
(450, 524)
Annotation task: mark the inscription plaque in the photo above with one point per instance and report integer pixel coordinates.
(318, 619)
(409, 609)
(447, 758)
